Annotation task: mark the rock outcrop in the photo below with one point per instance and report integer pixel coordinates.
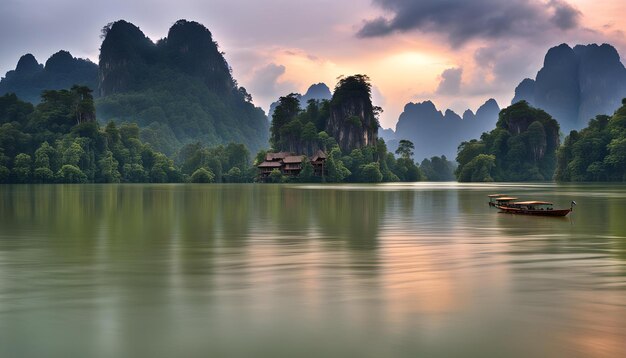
(125, 55)
(576, 84)
(352, 121)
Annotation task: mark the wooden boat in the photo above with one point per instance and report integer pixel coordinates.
(501, 201)
(493, 197)
(539, 208)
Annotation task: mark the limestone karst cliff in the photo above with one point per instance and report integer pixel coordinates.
(353, 119)
(576, 84)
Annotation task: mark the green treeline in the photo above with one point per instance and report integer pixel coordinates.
(522, 147)
(525, 147)
(438, 169)
(596, 153)
(60, 141)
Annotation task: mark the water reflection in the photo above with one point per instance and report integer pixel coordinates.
(277, 270)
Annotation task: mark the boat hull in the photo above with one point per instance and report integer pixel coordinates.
(518, 211)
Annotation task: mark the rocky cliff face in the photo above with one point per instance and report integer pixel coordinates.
(576, 84)
(434, 133)
(190, 48)
(61, 71)
(125, 56)
(28, 65)
(352, 121)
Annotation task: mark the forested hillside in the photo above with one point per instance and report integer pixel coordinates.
(522, 147)
(179, 90)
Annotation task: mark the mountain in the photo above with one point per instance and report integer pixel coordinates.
(435, 133)
(61, 71)
(387, 134)
(576, 84)
(318, 91)
(179, 90)
(353, 121)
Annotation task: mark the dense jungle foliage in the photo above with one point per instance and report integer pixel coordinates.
(522, 147)
(597, 152)
(60, 141)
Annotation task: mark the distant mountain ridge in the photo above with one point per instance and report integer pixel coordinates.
(61, 71)
(318, 91)
(435, 133)
(576, 84)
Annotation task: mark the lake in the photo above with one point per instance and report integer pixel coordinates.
(391, 270)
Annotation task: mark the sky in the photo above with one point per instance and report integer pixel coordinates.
(457, 53)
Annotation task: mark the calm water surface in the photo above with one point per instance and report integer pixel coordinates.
(307, 270)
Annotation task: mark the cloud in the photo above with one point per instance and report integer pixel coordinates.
(565, 16)
(462, 20)
(265, 78)
(266, 86)
(450, 82)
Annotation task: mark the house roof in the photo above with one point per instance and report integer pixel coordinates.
(270, 165)
(318, 155)
(293, 159)
(276, 156)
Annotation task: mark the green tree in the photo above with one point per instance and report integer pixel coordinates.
(276, 177)
(285, 112)
(22, 169)
(44, 155)
(73, 154)
(109, 172)
(134, 173)
(71, 174)
(84, 108)
(370, 173)
(478, 169)
(202, 175)
(43, 175)
(234, 175)
(306, 174)
(4, 170)
(405, 149)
